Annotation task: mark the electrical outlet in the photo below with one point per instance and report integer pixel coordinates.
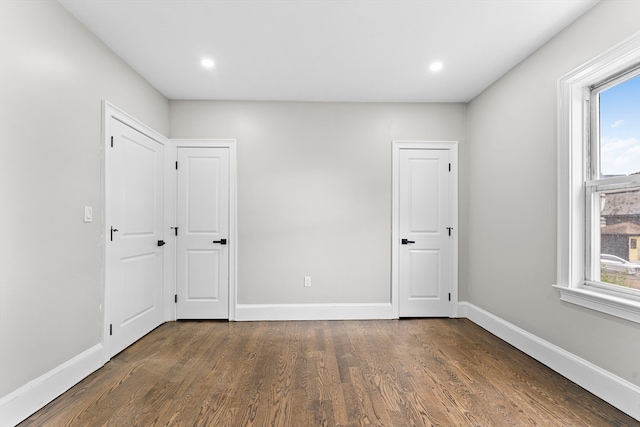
(307, 281)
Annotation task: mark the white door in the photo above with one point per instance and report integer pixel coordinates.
(135, 229)
(425, 243)
(203, 233)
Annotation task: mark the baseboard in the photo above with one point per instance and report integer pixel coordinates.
(255, 312)
(23, 402)
(618, 392)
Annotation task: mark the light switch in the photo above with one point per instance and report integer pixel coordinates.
(88, 214)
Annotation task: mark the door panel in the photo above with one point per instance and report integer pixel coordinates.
(138, 277)
(202, 191)
(425, 261)
(140, 195)
(203, 218)
(424, 267)
(423, 188)
(136, 215)
(202, 274)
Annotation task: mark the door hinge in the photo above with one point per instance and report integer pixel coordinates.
(175, 298)
(449, 297)
(111, 142)
(449, 167)
(113, 230)
(176, 165)
(111, 329)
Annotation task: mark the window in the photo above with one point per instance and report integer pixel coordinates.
(599, 182)
(612, 188)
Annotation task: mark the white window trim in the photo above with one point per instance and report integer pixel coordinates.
(572, 130)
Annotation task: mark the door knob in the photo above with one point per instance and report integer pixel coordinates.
(406, 241)
(161, 243)
(221, 241)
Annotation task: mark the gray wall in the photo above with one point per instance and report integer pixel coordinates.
(512, 197)
(54, 74)
(314, 191)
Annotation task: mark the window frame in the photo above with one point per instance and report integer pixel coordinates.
(576, 187)
(597, 185)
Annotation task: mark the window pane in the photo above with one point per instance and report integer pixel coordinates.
(620, 129)
(619, 236)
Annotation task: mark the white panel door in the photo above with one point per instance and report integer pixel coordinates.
(203, 233)
(136, 216)
(425, 257)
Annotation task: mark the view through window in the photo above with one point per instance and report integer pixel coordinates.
(615, 169)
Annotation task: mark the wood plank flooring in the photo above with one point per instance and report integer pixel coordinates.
(413, 372)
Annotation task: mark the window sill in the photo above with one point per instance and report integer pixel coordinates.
(609, 304)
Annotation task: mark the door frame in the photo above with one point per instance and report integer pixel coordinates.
(171, 185)
(396, 146)
(110, 111)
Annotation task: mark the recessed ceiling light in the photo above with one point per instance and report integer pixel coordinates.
(436, 66)
(207, 63)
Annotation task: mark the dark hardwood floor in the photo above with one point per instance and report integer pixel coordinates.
(414, 372)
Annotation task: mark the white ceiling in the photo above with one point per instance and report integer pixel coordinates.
(325, 50)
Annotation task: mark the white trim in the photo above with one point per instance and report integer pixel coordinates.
(396, 146)
(233, 211)
(110, 111)
(28, 399)
(623, 308)
(571, 170)
(256, 312)
(609, 387)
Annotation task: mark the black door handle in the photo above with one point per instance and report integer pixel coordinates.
(221, 241)
(406, 242)
(161, 243)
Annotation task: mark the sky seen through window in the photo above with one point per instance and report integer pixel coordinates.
(620, 129)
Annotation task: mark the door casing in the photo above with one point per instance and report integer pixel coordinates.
(171, 218)
(452, 146)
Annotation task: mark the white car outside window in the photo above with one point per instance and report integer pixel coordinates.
(616, 264)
